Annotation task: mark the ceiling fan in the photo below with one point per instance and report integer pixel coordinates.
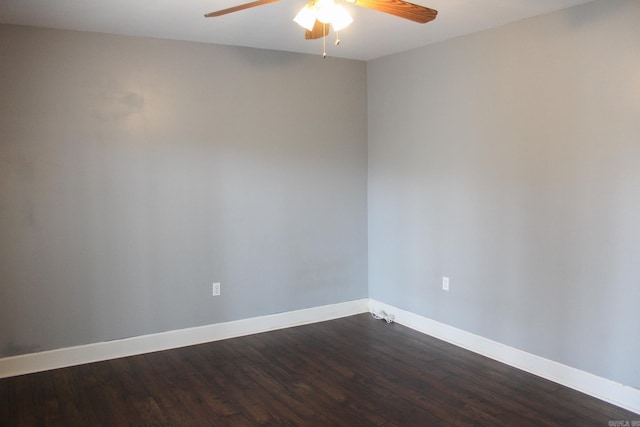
(317, 16)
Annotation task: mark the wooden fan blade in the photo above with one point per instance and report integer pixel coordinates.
(238, 8)
(316, 32)
(402, 9)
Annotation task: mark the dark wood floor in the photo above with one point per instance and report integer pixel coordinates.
(355, 371)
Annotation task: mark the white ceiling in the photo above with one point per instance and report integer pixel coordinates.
(270, 26)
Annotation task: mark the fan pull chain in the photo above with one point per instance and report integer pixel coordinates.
(324, 42)
(337, 39)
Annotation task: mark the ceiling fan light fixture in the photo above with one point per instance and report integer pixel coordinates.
(307, 16)
(326, 11)
(341, 18)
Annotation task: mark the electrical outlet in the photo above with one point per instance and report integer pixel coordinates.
(216, 289)
(445, 283)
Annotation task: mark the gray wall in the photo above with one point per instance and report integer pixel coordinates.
(136, 172)
(509, 160)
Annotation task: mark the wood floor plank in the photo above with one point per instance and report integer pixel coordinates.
(45, 400)
(354, 371)
(137, 396)
(149, 372)
(68, 397)
(190, 394)
(22, 411)
(6, 407)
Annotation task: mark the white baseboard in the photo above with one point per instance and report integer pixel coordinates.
(63, 357)
(618, 394)
(601, 388)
